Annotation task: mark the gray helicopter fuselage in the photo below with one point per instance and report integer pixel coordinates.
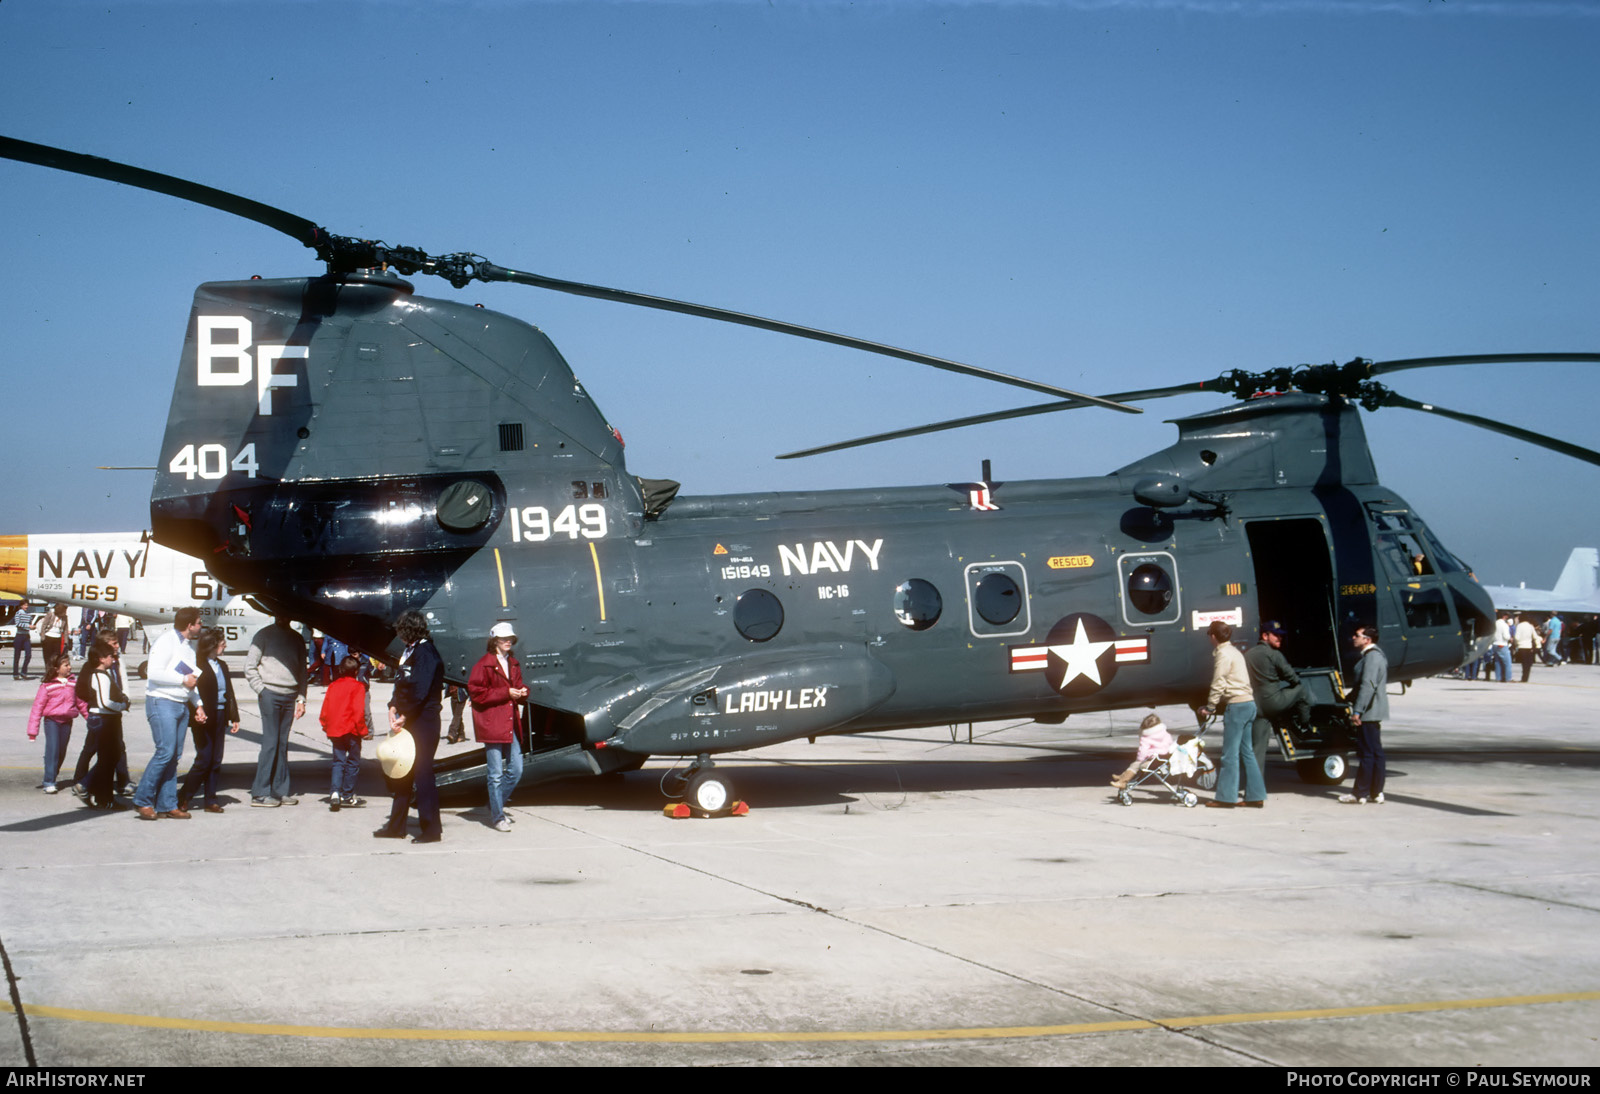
(345, 451)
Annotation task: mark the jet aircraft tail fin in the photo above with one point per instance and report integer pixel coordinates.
(1577, 580)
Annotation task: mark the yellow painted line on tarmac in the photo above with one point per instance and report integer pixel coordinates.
(971, 1033)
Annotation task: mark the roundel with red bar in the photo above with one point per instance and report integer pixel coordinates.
(1080, 655)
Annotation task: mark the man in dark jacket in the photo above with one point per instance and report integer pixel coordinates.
(1279, 694)
(418, 698)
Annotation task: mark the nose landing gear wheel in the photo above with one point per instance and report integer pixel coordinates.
(709, 791)
(1328, 769)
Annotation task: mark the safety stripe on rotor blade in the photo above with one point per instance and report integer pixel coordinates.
(972, 1033)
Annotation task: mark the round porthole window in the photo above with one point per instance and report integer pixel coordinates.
(997, 598)
(758, 615)
(1150, 589)
(917, 604)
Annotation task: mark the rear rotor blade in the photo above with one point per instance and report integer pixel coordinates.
(344, 253)
(1563, 447)
(490, 272)
(77, 163)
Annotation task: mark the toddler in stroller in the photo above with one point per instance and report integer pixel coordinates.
(1162, 759)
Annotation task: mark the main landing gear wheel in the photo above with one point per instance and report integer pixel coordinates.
(1328, 769)
(709, 791)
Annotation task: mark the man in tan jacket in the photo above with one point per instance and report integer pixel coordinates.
(1230, 690)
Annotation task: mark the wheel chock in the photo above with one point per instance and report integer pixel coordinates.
(680, 810)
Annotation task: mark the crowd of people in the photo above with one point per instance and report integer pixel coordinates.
(189, 693)
(1519, 639)
(56, 634)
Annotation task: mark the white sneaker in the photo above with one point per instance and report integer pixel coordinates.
(502, 825)
(1378, 798)
(1351, 799)
(51, 789)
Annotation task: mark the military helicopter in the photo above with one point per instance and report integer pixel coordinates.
(345, 450)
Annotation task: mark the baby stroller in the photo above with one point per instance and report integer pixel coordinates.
(1186, 762)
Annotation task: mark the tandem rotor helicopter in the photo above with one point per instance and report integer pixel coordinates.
(344, 450)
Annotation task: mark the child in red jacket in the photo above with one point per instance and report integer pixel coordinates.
(344, 720)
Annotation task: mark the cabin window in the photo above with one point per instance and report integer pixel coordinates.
(758, 615)
(918, 604)
(997, 598)
(1149, 589)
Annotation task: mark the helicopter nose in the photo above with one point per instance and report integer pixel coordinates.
(1476, 610)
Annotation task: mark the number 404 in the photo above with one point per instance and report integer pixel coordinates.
(210, 461)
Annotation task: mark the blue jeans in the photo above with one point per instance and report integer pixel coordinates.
(346, 765)
(505, 771)
(21, 653)
(1237, 719)
(57, 736)
(1502, 663)
(169, 722)
(272, 768)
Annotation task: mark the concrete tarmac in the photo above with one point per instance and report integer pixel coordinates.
(905, 898)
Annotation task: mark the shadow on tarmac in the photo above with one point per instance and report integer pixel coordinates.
(886, 784)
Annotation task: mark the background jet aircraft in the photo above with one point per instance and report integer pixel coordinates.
(1576, 590)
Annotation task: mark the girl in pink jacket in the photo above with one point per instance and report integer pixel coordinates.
(1154, 741)
(56, 705)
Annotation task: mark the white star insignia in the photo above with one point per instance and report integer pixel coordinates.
(1081, 657)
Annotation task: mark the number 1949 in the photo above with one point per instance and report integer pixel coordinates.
(532, 524)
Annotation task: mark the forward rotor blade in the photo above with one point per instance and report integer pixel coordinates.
(77, 163)
(1566, 449)
(488, 271)
(999, 416)
(1378, 368)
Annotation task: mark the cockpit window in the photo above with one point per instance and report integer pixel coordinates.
(1443, 559)
(1403, 557)
(1425, 608)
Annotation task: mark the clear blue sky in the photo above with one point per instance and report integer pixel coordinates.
(1101, 194)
